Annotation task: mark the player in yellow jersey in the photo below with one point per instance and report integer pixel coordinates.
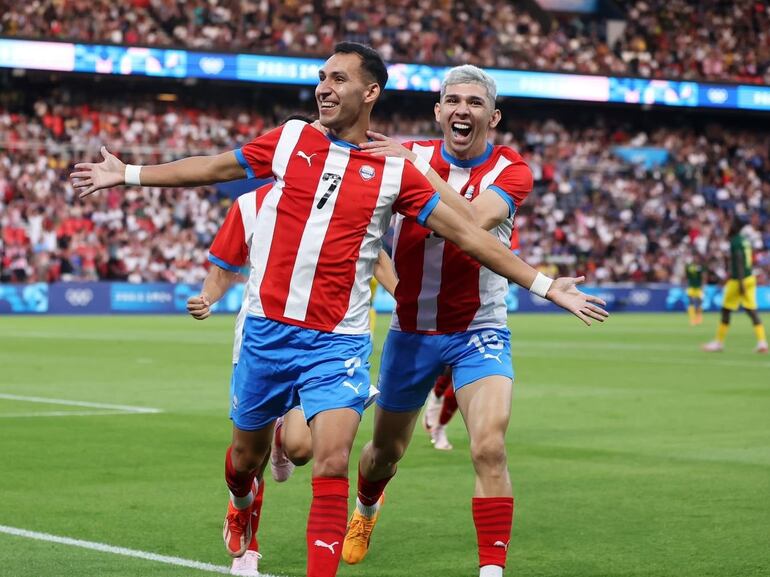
(740, 290)
(695, 281)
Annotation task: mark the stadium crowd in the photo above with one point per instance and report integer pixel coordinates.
(655, 38)
(592, 212)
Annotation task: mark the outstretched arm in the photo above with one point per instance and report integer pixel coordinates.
(191, 171)
(217, 281)
(494, 255)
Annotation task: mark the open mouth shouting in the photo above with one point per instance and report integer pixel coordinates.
(461, 131)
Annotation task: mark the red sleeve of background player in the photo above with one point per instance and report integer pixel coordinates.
(417, 197)
(229, 249)
(256, 157)
(513, 184)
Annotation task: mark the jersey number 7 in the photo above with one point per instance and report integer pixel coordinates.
(335, 181)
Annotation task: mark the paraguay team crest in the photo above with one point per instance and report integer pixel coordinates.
(366, 172)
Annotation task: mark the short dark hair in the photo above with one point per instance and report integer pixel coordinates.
(371, 61)
(298, 116)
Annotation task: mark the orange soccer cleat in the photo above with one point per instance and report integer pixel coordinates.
(237, 530)
(359, 534)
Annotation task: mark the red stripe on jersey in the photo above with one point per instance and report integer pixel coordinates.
(229, 244)
(293, 209)
(336, 267)
(458, 293)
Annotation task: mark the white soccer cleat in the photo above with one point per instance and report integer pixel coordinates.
(761, 347)
(432, 411)
(439, 439)
(280, 465)
(713, 347)
(247, 565)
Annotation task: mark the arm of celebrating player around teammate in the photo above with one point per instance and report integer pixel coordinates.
(497, 257)
(385, 273)
(216, 284)
(381, 145)
(191, 171)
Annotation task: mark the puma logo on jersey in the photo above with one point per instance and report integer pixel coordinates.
(306, 157)
(329, 546)
(491, 356)
(501, 544)
(350, 385)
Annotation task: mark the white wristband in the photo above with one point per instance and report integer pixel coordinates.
(541, 285)
(422, 165)
(131, 176)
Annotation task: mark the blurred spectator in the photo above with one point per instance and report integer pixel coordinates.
(660, 38)
(592, 212)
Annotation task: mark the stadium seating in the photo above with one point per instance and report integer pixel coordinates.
(656, 38)
(592, 211)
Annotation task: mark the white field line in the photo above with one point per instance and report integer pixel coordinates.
(104, 548)
(102, 408)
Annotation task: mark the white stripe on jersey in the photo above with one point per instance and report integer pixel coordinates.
(315, 232)
(263, 236)
(433, 261)
(397, 221)
(247, 204)
(356, 318)
(248, 207)
(493, 288)
(490, 176)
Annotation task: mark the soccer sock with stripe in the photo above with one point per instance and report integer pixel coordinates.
(369, 493)
(493, 518)
(326, 525)
(759, 331)
(239, 483)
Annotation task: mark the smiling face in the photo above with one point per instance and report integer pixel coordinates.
(466, 114)
(345, 92)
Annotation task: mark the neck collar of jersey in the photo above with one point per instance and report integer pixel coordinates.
(470, 162)
(340, 142)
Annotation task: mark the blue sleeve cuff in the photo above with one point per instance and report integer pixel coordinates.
(506, 197)
(222, 264)
(242, 161)
(426, 211)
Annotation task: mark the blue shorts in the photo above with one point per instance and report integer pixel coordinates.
(282, 365)
(411, 362)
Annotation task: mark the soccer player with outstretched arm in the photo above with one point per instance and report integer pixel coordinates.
(318, 235)
(450, 310)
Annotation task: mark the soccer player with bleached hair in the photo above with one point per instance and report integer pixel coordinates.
(318, 234)
(450, 310)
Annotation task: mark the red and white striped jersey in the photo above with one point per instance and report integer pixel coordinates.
(230, 248)
(318, 231)
(440, 288)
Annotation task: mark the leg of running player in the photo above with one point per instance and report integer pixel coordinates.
(248, 564)
(759, 331)
(333, 432)
(292, 445)
(244, 460)
(376, 466)
(297, 437)
(448, 408)
(486, 408)
(718, 343)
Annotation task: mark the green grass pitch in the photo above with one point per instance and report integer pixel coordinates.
(632, 453)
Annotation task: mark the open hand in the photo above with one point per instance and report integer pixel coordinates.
(199, 307)
(92, 176)
(564, 292)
